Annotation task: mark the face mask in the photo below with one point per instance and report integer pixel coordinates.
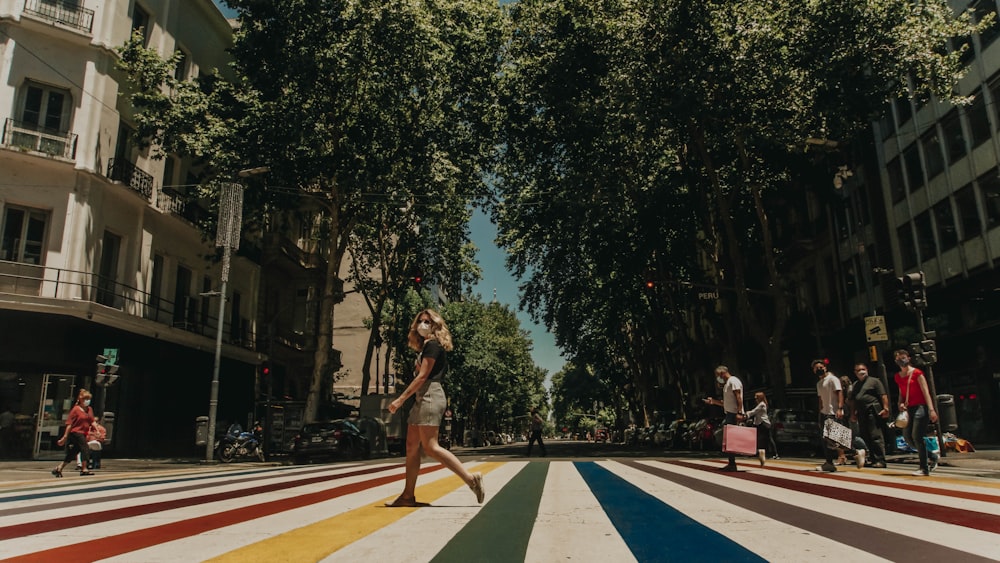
(424, 329)
(862, 373)
(86, 403)
(720, 380)
(903, 362)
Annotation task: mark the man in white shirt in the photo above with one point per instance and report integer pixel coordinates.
(831, 405)
(731, 403)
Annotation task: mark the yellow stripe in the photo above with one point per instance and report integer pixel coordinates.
(317, 541)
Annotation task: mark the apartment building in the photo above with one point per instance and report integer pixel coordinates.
(99, 248)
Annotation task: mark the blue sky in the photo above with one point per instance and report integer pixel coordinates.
(495, 277)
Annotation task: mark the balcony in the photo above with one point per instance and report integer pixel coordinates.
(66, 12)
(30, 137)
(121, 170)
(70, 286)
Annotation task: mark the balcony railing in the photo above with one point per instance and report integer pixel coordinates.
(121, 170)
(66, 12)
(74, 286)
(31, 137)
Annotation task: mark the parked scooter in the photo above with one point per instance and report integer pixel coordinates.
(238, 444)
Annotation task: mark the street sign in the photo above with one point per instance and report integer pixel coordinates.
(112, 355)
(875, 330)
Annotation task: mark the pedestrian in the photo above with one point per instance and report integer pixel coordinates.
(430, 337)
(536, 431)
(845, 387)
(870, 407)
(915, 399)
(78, 424)
(731, 403)
(831, 406)
(758, 417)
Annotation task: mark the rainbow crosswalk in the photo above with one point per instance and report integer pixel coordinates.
(538, 511)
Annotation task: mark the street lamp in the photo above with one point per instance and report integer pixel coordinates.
(227, 236)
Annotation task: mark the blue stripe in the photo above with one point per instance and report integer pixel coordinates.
(653, 530)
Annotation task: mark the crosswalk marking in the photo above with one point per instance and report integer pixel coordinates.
(604, 510)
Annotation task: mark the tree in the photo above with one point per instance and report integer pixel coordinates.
(650, 134)
(359, 109)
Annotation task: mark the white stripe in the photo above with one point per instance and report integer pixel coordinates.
(571, 524)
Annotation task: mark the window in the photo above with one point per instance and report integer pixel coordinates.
(907, 250)
(945, 220)
(953, 137)
(982, 9)
(107, 280)
(979, 119)
(23, 235)
(140, 21)
(989, 187)
(914, 172)
(925, 236)
(167, 181)
(964, 42)
(885, 124)
(968, 212)
(156, 285)
(46, 108)
(903, 109)
(183, 67)
(896, 185)
(932, 152)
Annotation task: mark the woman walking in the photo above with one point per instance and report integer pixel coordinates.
(915, 399)
(758, 417)
(78, 423)
(430, 337)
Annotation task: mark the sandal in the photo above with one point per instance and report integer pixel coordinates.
(401, 502)
(57, 473)
(477, 487)
(82, 473)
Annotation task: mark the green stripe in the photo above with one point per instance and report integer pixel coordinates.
(500, 531)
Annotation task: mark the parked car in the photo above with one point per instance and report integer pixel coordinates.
(796, 429)
(330, 439)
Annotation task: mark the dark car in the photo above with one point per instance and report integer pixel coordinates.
(330, 439)
(796, 429)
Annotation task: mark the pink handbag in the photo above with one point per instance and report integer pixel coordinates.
(739, 439)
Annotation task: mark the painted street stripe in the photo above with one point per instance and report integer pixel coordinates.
(123, 543)
(42, 526)
(770, 539)
(148, 489)
(502, 529)
(641, 518)
(965, 518)
(878, 541)
(571, 524)
(318, 540)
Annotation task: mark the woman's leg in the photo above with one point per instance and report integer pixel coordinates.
(412, 462)
(918, 424)
(429, 441)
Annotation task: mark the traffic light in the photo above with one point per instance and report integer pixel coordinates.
(265, 370)
(417, 277)
(649, 280)
(911, 291)
(928, 351)
(107, 373)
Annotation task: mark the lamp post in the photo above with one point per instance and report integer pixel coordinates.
(227, 236)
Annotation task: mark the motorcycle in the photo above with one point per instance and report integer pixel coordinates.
(237, 444)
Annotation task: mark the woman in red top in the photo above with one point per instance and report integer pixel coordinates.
(915, 399)
(78, 423)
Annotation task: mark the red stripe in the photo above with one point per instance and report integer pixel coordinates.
(110, 546)
(957, 516)
(31, 528)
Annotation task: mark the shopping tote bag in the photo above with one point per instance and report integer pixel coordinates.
(739, 439)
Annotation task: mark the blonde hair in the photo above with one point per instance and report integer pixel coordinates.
(440, 331)
(760, 397)
(83, 394)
